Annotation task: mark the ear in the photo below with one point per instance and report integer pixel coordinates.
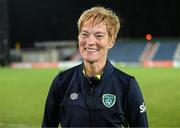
(111, 43)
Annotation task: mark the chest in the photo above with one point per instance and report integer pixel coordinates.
(103, 104)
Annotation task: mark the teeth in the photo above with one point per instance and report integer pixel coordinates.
(91, 50)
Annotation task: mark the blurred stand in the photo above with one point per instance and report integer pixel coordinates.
(49, 54)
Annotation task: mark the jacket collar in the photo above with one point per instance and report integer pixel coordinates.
(108, 69)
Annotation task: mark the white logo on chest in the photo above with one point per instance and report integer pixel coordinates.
(73, 96)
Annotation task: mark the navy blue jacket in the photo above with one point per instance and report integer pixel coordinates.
(75, 100)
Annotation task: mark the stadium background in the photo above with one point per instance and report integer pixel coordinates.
(38, 38)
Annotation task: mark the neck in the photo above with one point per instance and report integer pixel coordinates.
(94, 68)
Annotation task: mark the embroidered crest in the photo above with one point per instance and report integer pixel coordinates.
(73, 96)
(108, 100)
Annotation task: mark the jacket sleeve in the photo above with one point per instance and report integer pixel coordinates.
(137, 116)
(51, 112)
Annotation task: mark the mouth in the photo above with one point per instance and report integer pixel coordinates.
(91, 50)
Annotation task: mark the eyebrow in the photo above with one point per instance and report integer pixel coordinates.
(98, 32)
(84, 31)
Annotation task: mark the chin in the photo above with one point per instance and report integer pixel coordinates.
(91, 60)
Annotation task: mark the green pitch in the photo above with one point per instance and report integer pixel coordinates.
(23, 93)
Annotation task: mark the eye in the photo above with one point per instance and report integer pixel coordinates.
(99, 36)
(84, 34)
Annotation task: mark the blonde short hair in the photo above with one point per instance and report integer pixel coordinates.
(101, 15)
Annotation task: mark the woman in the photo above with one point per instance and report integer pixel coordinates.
(95, 93)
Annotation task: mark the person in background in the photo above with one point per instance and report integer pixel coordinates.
(95, 93)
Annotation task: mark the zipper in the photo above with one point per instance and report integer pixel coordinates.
(91, 106)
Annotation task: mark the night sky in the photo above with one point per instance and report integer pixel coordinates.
(44, 20)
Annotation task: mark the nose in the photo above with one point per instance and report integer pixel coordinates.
(91, 40)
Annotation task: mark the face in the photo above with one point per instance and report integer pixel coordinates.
(94, 42)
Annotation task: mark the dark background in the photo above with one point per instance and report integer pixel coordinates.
(51, 20)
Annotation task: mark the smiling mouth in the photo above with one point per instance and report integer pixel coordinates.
(91, 50)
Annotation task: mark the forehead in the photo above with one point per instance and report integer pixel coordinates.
(94, 25)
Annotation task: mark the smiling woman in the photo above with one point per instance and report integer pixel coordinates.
(95, 93)
(98, 28)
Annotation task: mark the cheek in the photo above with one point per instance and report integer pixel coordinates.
(103, 46)
(81, 46)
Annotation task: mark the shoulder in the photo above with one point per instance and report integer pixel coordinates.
(126, 80)
(66, 75)
(69, 72)
(124, 77)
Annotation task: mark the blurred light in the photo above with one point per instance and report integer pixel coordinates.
(148, 37)
(18, 45)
